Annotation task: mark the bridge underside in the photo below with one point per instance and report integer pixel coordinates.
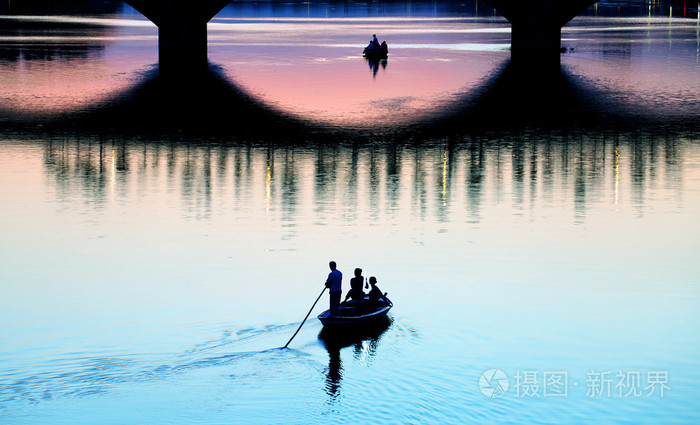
(536, 26)
(182, 28)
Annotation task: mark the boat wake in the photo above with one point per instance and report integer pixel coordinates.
(83, 373)
(244, 357)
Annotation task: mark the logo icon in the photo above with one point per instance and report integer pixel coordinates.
(493, 383)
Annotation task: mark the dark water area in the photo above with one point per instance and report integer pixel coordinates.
(60, 7)
(280, 8)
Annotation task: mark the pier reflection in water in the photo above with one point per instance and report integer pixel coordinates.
(446, 178)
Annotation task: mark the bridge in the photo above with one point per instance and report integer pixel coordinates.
(536, 26)
(182, 28)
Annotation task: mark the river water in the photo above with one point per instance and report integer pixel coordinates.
(538, 274)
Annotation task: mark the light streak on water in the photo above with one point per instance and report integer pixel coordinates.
(455, 47)
(105, 22)
(75, 39)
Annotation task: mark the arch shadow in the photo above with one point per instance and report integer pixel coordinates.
(191, 102)
(553, 99)
(208, 104)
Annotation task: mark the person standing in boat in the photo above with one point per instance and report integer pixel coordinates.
(356, 292)
(334, 284)
(375, 41)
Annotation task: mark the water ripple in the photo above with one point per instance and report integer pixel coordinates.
(80, 374)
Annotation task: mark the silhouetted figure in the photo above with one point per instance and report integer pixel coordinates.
(334, 284)
(370, 48)
(374, 51)
(375, 294)
(356, 292)
(384, 49)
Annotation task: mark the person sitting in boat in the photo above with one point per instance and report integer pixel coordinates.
(370, 48)
(375, 294)
(356, 292)
(384, 49)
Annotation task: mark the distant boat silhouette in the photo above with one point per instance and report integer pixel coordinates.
(375, 52)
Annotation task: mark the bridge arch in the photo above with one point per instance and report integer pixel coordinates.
(182, 28)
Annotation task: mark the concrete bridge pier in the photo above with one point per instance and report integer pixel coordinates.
(182, 44)
(536, 27)
(182, 31)
(534, 40)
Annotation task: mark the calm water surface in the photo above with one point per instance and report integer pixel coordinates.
(153, 280)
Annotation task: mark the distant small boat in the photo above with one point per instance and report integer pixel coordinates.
(376, 53)
(357, 313)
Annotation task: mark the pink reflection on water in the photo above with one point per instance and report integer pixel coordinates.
(314, 69)
(339, 86)
(52, 70)
(52, 88)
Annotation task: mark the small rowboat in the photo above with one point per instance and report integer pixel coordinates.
(376, 53)
(357, 313)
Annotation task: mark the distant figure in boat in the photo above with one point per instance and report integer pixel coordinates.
(376, 50)
(334, 284)
(375, 294)
(356, 292)
(371, 48)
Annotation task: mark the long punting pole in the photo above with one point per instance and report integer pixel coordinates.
(307, 316)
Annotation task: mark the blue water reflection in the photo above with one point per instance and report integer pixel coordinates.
(135, 274)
